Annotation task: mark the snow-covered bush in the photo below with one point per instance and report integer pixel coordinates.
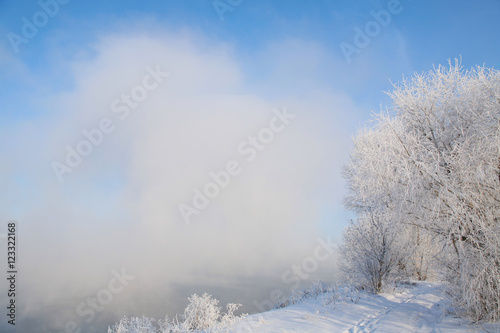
(202, 312)
(134, 325)
(201, 315)
(340, 294)
(334, 294)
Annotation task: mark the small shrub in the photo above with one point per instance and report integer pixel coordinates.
(201, 315)
(134, 325)
(202, 312)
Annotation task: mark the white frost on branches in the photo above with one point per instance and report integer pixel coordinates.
(201, 315)
(430, 172)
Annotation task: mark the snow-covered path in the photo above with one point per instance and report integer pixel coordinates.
(417, 309)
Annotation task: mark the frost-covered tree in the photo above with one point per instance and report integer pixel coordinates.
(432, 163)
(370, 254)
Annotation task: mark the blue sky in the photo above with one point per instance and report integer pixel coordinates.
(432, 32)
(226, 77)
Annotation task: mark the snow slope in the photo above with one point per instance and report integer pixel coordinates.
(422, 308)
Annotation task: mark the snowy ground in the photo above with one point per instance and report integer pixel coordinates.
(414, 309)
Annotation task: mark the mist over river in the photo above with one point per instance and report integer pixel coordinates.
(84, 312)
